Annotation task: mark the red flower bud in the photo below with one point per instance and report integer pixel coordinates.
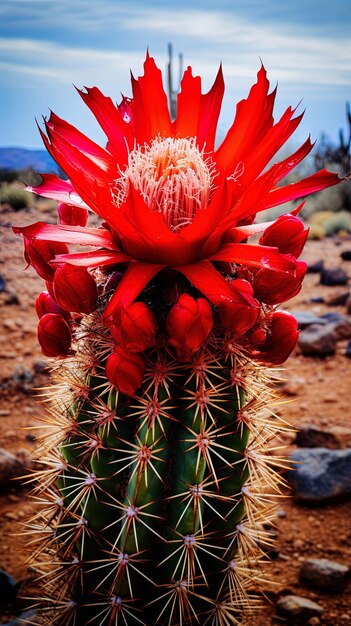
(188, 325)
(282, 336)
(46, 304)
(134, 327)
(239, 313)
(125, 371)
(275, 287)
(287, 233)
(39, 253)
(75, 289)
(54, 335)
(72, 215)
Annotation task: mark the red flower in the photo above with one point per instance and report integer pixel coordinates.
(134, 327)
(46, 304)
(168, 198)
(282, 336)
(274, 287)
(188, 325)
(125, 371)
(287, 234)
(54, 335)
(75, 289)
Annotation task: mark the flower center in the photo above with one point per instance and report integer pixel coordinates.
(173, 177)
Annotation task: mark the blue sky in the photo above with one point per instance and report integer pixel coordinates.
(48, 45)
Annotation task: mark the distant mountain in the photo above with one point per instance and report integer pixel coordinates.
(15, 158)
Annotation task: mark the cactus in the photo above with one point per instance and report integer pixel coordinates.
(159, 471)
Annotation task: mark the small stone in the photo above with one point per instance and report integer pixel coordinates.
(321, 475)
(2, 283)
(346, 617)
(324, 574)
(4, 412)
(314, 621)
(316, 267)
(318, 340)
(339, 299)
(334, 276)
(346, 255)
(41, 367)
(296, 607)
(348, 349)
(8, 588)
(22, 375)
(340, 324)
(317, 300)
(310, 436)
(12, 299)
(304, 318)
(10, 467)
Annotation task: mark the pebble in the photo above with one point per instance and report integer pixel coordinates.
(324, 574)
(297, 607)
(340, 324)
(346, 255)
(339, 299)
(12, 298)
(334, 276)
(10, 467)
(321, 475)
(8, 588)
(4, 412)
(318, 340)
(310, 436)
(304, 318)
(316, 267)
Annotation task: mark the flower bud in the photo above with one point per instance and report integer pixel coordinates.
(282, 336)
(71, 215)
(287, 233)
(46, 304)
(134, 327)
(39, 253)
(188, 325)
(239, 313)
(75, 289)
(54, 335)
(125, 371)
(274, 287)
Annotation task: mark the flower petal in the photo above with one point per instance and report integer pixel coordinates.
(133, 282)
(210, 108)
(98, 258)
(67, 234)
(255, 256)
(57, 189)
(311, 184)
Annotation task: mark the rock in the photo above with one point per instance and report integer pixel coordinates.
(346, 255)
(41, 367)
(2, 283)
(22, 375)
(10, 467)
(339, 323)
(339, 299)
(321, 475)
(348, 306)
(334, 276)
(8, 588)
(318, 339)
(304, 318)
(315, 268)
(296, 607)
(317, 300)
(12, 298)
(348, 349)
(324, 574)
(310, 436)
(25, 619)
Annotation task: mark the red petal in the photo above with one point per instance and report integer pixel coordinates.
(210, 282)
(57, 189)
(99, 258)
(56, 126)
(67, 234)
(111, 121)
(255, 256)
(150, 106)
(209, 112)
(133, 282)
(311, 184)
(253, 116)
(188, 105)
